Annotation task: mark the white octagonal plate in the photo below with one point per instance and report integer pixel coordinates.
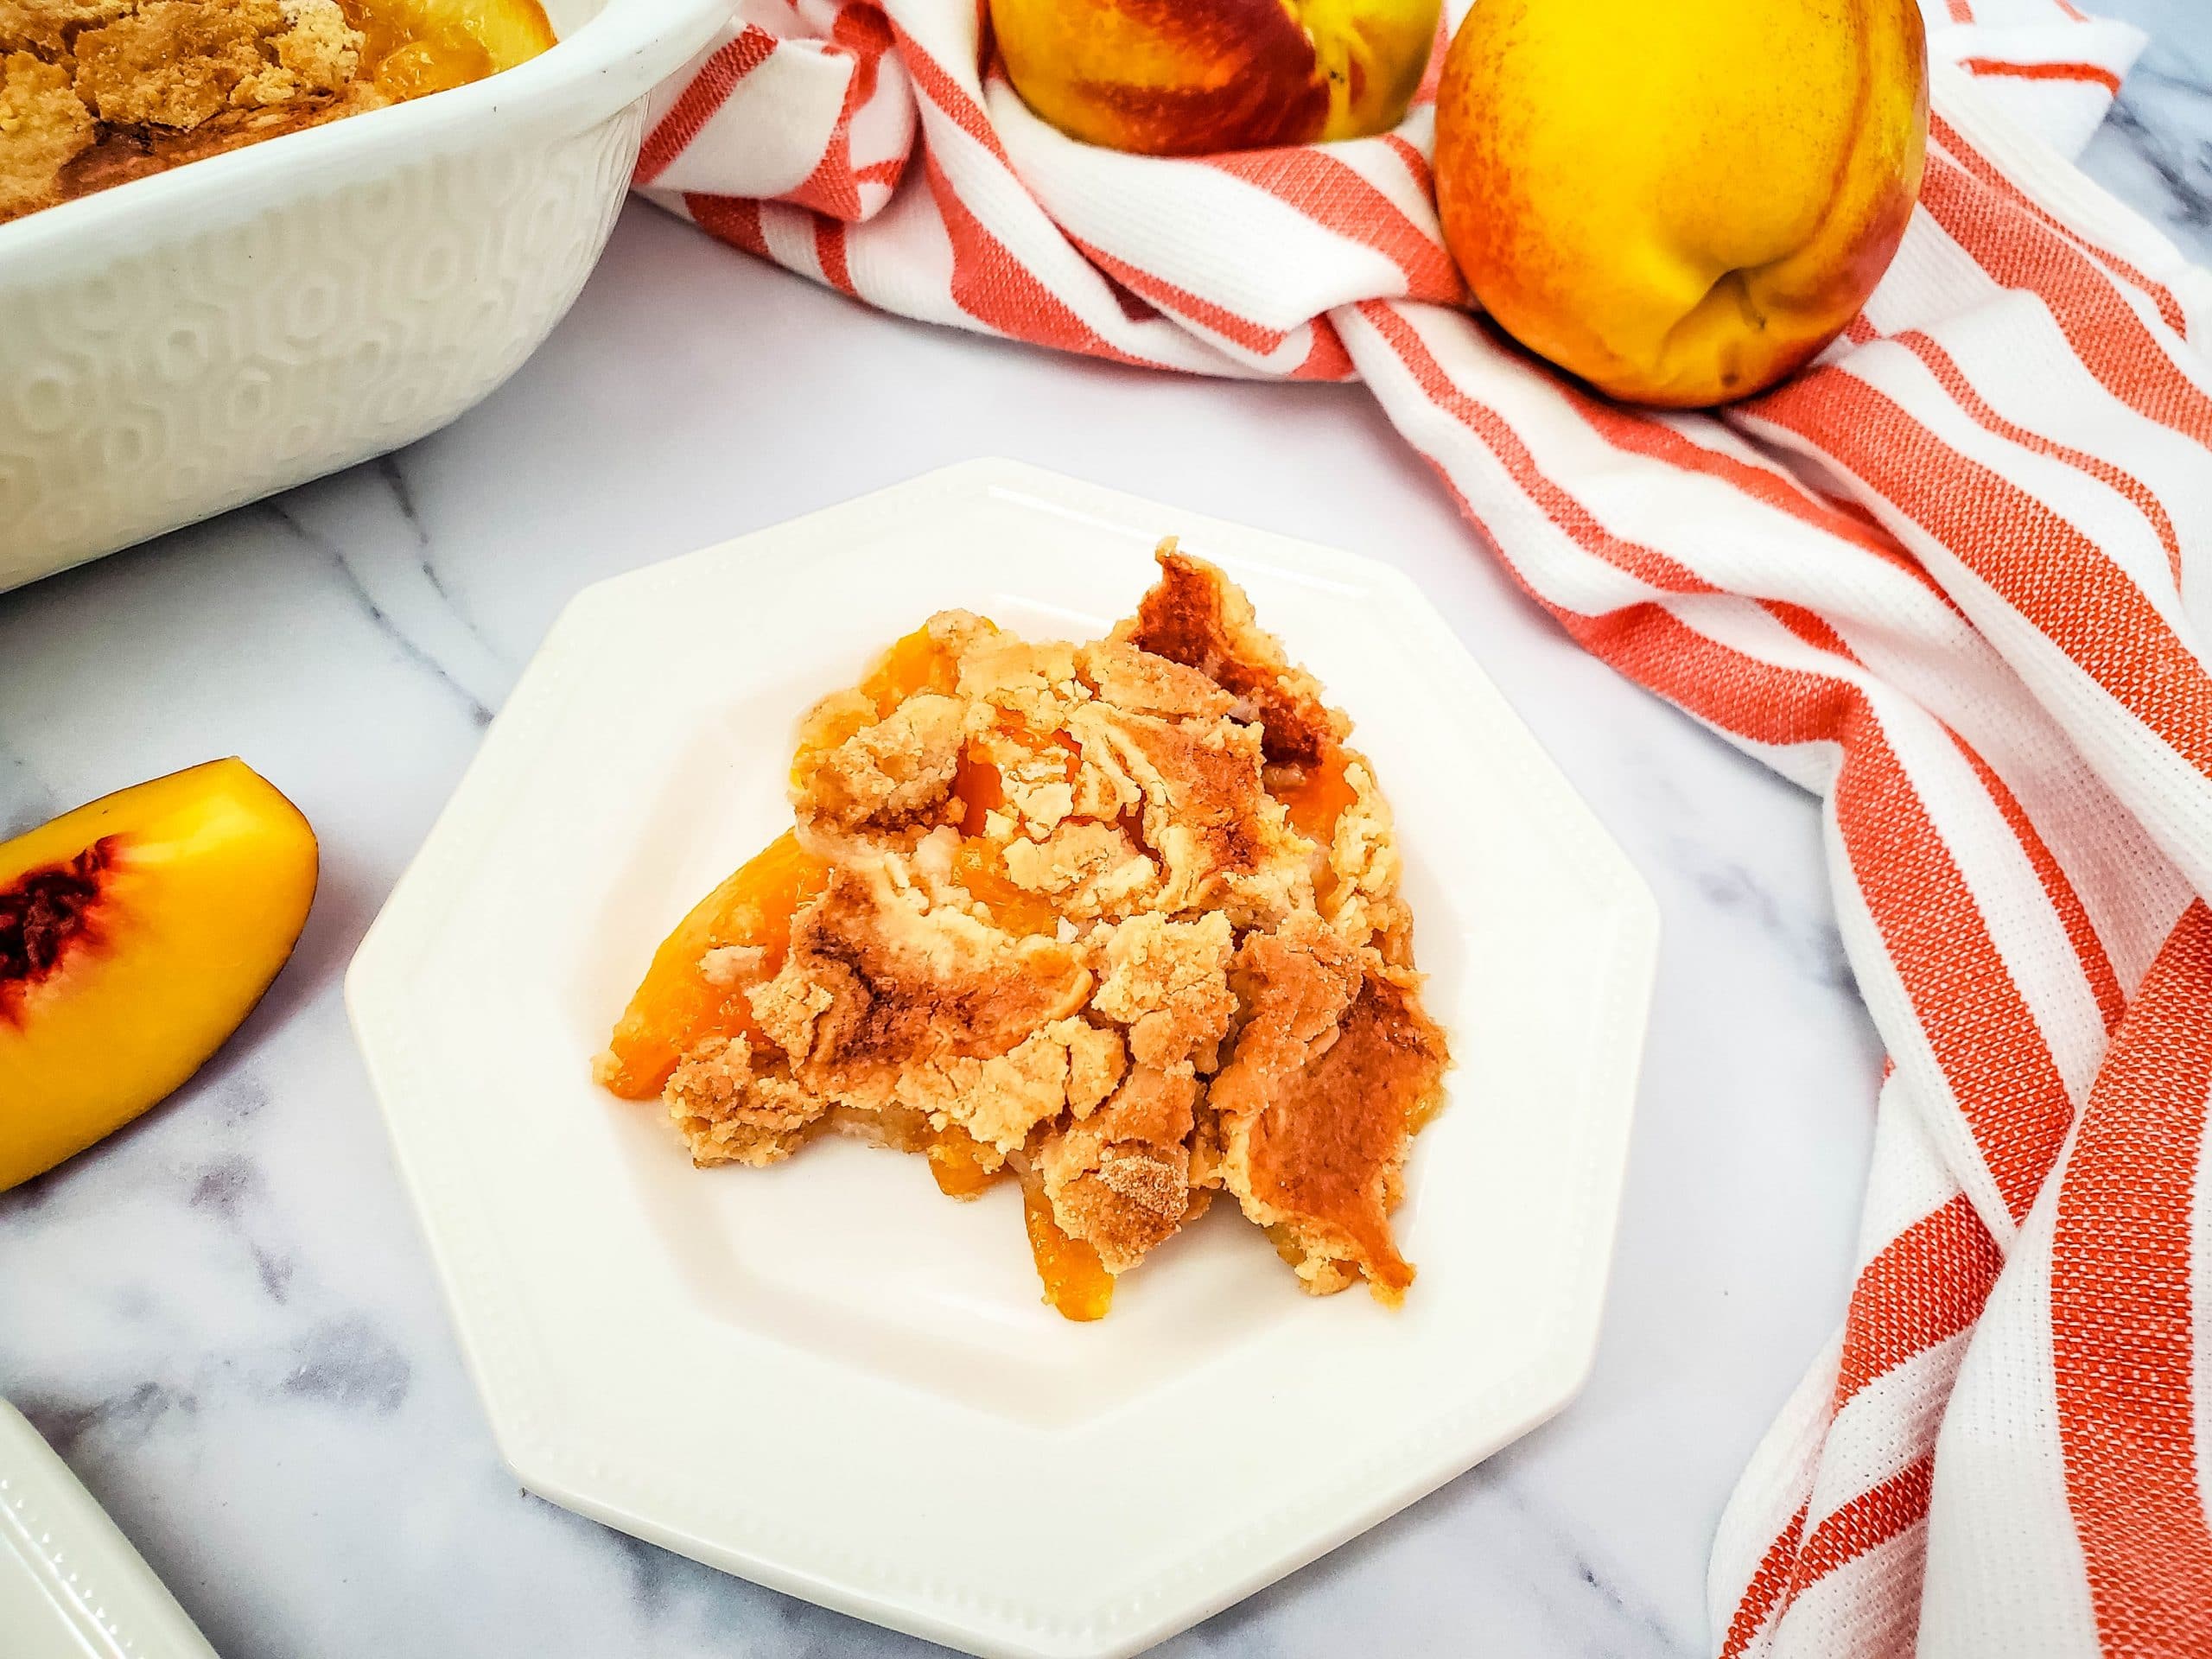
(824, 1376)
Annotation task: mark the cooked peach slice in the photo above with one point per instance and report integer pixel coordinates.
(684, 1000)
(913, 662)
(979, 867)
(979, 786)
(420, 46)
(962, 1166)
(1319, 798)
(136, 934)
(1076, 1282)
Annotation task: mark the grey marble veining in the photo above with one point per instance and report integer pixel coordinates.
(224, 1319)
(2155, 150)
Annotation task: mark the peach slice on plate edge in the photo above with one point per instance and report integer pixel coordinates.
(136, 934)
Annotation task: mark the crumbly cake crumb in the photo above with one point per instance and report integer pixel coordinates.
(732, 1111)
(176, 63)
(1168, 981)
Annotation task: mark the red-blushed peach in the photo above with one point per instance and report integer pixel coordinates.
(136, 934)
(1679, 203)
(1193, 77)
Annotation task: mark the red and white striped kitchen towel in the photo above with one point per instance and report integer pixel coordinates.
(1952, 579)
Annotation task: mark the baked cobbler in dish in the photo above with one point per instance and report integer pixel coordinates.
(1119, 920)
(96, 93)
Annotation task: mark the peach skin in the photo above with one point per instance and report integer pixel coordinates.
(1679, 203)
(1191, 77)
(135, 934)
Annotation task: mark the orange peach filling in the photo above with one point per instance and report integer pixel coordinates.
(1315, 803)
(436, 65)
(979, 786)
(1075, 1281)
(681, 1003)
(915, 662)
(957, 1161)
(419, 48)
(979, 867)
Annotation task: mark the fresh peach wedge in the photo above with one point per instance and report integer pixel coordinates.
(136, 934)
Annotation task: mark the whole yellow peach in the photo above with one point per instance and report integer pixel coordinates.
(1190, 77)
(1680, 202)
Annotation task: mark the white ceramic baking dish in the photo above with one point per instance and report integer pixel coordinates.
(192, 340)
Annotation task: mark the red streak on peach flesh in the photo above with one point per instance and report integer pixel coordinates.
(47, 916)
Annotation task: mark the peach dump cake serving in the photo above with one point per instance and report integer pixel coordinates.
(96, 93)
(1120, 921)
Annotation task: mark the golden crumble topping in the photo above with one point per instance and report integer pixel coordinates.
(95, 93)
(42, 128)
(173, 63)
(1118, 919)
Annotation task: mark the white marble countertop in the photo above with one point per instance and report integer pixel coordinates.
(224, 1319)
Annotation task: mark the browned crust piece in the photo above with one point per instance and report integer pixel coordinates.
(177, 63)
(880, 1003)
(1194, 615)
(1223, 839)
(1120, 1178)
(1333, 1069)
(893, 773)
(733, 1105)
